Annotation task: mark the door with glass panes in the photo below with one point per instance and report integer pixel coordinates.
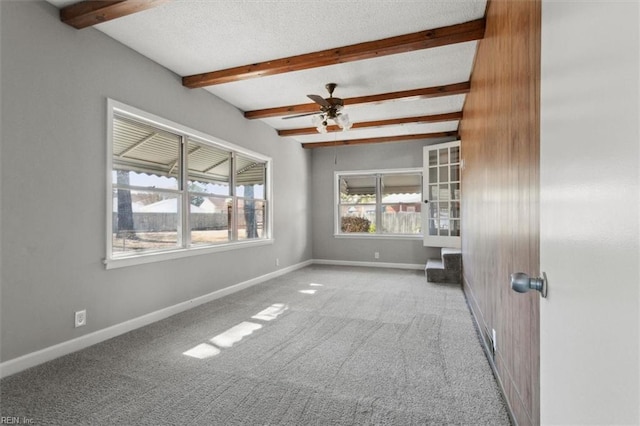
(441, 188)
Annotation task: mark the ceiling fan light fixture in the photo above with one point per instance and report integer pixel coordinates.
(344, 122)
(330, 110)
(320, 122)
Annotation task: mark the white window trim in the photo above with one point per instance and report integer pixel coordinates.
(336, 206)
(118, 108)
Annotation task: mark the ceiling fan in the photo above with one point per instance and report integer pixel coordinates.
(330, 109)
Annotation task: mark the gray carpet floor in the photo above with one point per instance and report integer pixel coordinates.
(332, 346)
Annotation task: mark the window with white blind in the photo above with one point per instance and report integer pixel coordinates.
(382, 203)
(175, 192)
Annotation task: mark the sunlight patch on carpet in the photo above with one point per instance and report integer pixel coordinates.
(272, 312)
(235, 334)
(202, 351)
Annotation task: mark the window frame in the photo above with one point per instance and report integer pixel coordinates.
(115, 108)
(377, 173)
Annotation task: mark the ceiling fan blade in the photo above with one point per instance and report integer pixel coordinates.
(319, 100)
(301, 115)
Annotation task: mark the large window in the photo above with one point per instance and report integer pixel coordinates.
(175, 192)
(379, 203)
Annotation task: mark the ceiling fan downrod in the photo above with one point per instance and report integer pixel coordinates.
(330, 88)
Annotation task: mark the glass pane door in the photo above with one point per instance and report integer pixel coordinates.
(442, 169)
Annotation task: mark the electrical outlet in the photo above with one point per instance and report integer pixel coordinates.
(277, 262)
(81, 318)
(376, 255)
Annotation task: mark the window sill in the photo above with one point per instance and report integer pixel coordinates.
(140, 259)
(416, 237)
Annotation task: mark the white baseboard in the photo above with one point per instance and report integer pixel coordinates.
(368, 264)
(16, 365)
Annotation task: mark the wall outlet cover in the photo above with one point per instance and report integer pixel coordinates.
(81, 318)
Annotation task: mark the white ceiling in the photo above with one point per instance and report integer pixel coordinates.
(195, 36)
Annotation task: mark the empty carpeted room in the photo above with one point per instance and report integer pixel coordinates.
(320, 212)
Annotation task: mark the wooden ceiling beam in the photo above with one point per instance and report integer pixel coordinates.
(436, 118)
(459, 33)
(399, 138)
(91, 12)
(423, 93)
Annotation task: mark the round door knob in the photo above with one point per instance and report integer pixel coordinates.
(522, 283)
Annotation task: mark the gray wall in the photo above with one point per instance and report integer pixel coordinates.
(361, 157)
(55, 82)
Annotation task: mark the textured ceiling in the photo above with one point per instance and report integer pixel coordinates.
(190, 37)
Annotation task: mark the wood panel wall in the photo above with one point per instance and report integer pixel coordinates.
(500, 181)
